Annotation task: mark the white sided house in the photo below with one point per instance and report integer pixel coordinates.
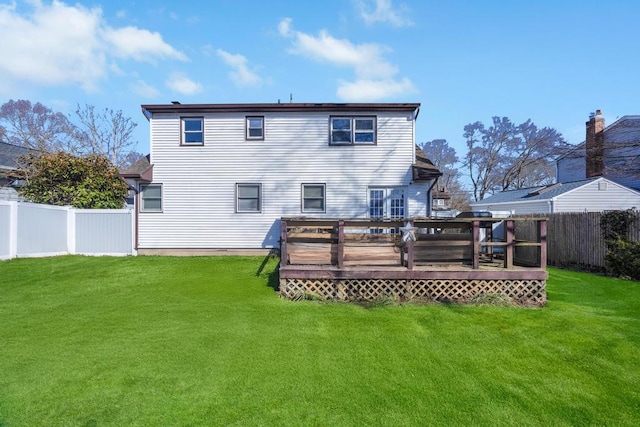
(221, 176)
(590, 195)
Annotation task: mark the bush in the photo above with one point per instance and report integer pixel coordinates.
(623, 258)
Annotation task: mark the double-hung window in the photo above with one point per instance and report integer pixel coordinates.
(255, 127)
(313, 197)
(192, 130)
(353, 130)
(248, 198)
(151, 198)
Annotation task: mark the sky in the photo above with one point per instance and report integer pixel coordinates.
(551, 61)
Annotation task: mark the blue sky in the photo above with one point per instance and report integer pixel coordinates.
(463, 60)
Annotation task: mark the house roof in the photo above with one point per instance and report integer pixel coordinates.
(9, 154)
(620, 121)
(141, 170)
(149, 109)
(534, 193)
(423, 168)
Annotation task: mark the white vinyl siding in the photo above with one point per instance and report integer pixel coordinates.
(199, 184)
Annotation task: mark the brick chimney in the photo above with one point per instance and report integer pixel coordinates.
(595, 145)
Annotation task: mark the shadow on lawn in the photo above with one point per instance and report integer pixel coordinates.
(273, 279)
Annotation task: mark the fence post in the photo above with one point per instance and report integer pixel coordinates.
(475, 252)
(13, 230)
(509, 229)
(283, 242)
(542, 239)
(410, 251)
(71, 230)
(340, 254)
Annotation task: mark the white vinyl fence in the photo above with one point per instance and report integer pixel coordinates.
(34, 230)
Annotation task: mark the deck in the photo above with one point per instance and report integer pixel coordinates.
(415, 259)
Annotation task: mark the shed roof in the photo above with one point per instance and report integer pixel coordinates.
(535, 193)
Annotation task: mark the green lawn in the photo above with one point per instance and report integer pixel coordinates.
(207, 341)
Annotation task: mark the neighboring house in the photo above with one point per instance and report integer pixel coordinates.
(220, 176)
(9, 159)
(612, 152)
(441, 200)
(590, 195)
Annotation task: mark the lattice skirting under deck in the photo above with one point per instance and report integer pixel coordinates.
(523, 292)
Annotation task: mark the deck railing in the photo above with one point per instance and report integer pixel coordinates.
(410, 242)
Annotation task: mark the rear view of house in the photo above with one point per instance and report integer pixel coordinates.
(220, 176)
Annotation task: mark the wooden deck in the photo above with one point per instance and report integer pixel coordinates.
(441, 260)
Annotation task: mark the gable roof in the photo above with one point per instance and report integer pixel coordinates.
(533, 194)
(141, 170)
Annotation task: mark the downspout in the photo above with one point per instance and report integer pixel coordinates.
(136, 207)
(430, 199)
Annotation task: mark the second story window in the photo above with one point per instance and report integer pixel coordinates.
(255, 127)
(192, 131)
(353, 130)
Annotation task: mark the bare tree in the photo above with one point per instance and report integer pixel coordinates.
(36, 126)
(446, 160)
(505, 156)
(106, 132)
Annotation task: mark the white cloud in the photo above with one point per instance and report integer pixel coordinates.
(145, 90)
(139, 44)
(180, 83)
(373, 11)
(372, 90)
(374, 74)
(240, 74)
(56, 44)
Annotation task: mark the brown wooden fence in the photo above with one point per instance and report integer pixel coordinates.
(575, 239)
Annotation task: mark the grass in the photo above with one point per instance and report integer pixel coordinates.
(206, 341)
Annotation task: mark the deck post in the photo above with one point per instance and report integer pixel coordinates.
(509, 227)
(410, 251)
(542, 239)
(340, 255)
(475, 251)
(283, 242)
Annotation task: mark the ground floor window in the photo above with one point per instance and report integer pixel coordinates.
(313, 197)
(151, 198)
(248, 197)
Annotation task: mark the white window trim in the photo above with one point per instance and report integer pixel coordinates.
(387, 200)
(183, 132)
(353, 131)
(249, 184)
(142, 198)
(324, 198)
(248, 128)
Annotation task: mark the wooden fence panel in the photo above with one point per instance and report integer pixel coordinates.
(575, 239)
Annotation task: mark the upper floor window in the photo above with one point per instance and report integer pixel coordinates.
(255, 127)
(313, 197)
(248, 198)
(151, 198)
(192, 130)
(353, 130)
